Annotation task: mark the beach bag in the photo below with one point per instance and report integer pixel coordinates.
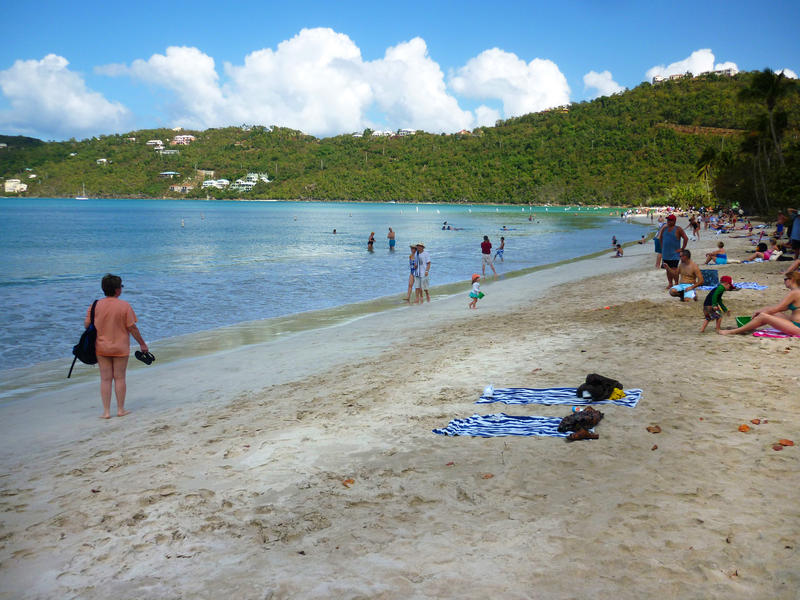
(710, 276)
(84, 350)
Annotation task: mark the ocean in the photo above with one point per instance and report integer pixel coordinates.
(238, 272)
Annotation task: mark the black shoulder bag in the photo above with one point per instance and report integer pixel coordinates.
(84, 350)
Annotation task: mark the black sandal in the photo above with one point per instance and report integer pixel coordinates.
(145, 357)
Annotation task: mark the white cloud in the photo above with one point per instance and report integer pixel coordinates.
(522, 87)
(313, 82)
(700, 61)
(49, 100)
(410, 88)
(191, 75)
(603, 82)
(788, 73)
(316, 82)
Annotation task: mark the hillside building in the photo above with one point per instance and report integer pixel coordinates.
(14, 186)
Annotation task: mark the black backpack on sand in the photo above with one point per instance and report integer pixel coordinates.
(84, 350)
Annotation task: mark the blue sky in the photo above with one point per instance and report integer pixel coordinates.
(86, 68)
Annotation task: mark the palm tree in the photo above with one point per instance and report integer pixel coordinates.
(769, 88)
(704, 165)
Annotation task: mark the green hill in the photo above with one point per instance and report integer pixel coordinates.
(638, 146)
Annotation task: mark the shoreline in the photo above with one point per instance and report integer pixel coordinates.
(21, 383)
(306, 467)
(309, 200)
(242, 338)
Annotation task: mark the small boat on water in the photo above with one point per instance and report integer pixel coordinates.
(83, 195)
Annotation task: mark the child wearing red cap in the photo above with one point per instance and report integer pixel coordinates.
(713, 303)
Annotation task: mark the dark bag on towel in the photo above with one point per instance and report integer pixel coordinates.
(598, 386)
(84, 350)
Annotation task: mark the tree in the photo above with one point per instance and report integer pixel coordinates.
(704, 165)
(769, 88)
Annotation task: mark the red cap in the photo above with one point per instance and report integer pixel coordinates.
(672, 218)
(726, 279)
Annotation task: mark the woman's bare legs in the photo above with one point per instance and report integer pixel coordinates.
(106, 365)
(112, 371)
(779, 322)
(410, 287)
(120, 384)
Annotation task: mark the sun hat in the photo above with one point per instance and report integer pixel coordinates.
(420, 244)
(475, 276)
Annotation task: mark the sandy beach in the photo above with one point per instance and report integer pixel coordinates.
(307, 468)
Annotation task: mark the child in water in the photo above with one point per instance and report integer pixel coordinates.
(713, 303)
(501, 249)
(476, 293)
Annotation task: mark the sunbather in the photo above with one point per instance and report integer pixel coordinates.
(773, 315)
(718, 256)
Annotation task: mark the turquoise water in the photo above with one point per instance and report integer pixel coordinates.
(192, 266)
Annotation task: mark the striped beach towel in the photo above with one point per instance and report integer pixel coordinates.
(554, 396)
(743, 285)
(769, 332)
(502, 424)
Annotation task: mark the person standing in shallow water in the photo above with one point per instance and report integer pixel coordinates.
(391, 239)
(486, 256)
(421, 281)
(371, 241)
(412, 264)
(115, 322)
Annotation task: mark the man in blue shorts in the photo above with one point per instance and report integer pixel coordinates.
(689, 278)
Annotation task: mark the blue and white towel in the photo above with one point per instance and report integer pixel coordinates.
(744, 285)
(502, 424)
(554, 396)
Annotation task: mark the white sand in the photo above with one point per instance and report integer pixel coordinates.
(227, 479)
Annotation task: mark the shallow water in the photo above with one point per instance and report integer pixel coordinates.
(194, 266)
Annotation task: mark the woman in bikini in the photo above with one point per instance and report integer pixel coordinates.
(773, 315)
(412, 265)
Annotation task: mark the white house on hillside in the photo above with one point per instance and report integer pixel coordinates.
(14, 186)
(182, 140)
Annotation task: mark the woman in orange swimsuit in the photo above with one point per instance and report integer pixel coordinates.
(115, 322)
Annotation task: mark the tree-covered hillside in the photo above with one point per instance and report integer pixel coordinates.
(638, 146)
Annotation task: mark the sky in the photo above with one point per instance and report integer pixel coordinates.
(82, 69)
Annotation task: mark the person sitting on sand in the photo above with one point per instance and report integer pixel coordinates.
(718, 256)
(618, 253)
(763, 252)
(713, 303)
(688, 276)
(773, 315)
